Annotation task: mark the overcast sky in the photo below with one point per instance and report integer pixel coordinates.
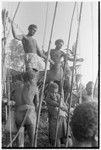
(35, 13)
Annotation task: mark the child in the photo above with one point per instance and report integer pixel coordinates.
(53, 101)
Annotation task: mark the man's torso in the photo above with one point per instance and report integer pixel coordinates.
(29, 45)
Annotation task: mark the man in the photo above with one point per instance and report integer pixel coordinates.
(84, 125)
(53, 101)
(87, 95)
(56, 70)
(32, 51)
(26, 97)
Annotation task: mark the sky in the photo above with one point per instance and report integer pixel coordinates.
(35, 13)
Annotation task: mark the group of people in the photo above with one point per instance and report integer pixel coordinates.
(84, 118)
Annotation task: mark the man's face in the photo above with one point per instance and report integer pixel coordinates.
(59, 45)
(32, 31)
(89, 89)
(54, 92)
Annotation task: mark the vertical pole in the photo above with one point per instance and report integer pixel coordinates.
(62, 80)
(21, 137)
(73, 72)
(45, 74)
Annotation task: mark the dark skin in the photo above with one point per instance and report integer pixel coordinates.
(26, 98)
(56, 71)
(29, 44)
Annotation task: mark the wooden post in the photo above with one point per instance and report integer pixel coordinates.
(62, 80)
(77, 36)
(45, 74)
(21, 137)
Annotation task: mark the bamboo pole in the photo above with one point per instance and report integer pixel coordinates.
(62, 81)
(45, 74)
(73, 72)
(9, 78)
(14, 17)
(44, 35)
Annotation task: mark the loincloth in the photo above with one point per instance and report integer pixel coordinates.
(25, 110)
(34, 61)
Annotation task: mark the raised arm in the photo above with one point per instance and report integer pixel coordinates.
(18, 37)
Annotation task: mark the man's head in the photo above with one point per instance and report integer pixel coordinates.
(90, 88)
(84, 123)
(78, 77)
(32, 29)
(53, 89)
(59, 43)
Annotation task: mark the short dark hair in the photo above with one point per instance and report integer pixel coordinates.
(32, 26)
(53, 86)
(89, 83)
(84, 122)
(59, 40)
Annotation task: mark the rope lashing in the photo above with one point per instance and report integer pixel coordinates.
(45, 74)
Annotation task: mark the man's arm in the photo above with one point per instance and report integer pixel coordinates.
(41, 54)
(52, 103)
(56, 104)
(18, 37)
(78, 59)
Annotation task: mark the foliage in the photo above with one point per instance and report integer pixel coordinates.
(16, 55)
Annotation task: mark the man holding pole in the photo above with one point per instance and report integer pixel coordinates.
(33, 55)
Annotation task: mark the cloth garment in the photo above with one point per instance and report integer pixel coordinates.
(34, 61)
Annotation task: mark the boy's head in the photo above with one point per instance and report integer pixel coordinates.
(90, 88)
(32, 29)
(84, 123)
(53, 89)
(59, 43)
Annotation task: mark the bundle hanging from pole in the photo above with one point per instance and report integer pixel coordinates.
(73, 72)
(45, 74)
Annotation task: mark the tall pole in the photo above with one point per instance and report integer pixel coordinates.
(45, 74)
(44, 35)
(99, 49)
(62, 80)
(73, 72)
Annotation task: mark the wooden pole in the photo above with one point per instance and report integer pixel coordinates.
(45, 74)
(44, 35)
(73, 72)
(62, 80)
(21, 137)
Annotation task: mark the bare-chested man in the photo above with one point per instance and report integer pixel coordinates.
(26, 97)
(32, 51)
(56, 71)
